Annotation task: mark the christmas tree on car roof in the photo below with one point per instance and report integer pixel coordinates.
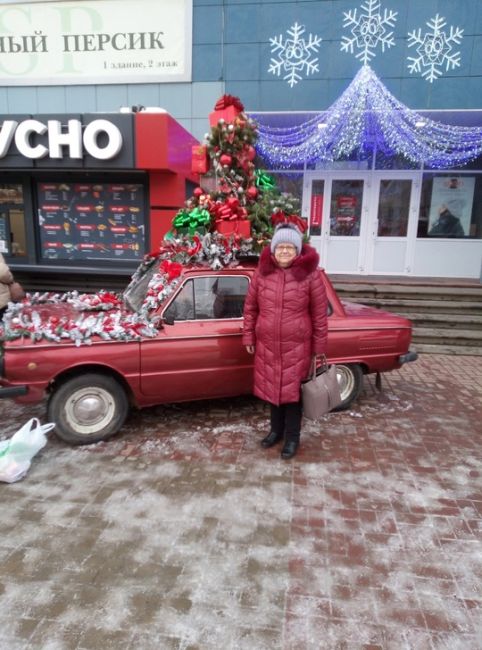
(237, 205)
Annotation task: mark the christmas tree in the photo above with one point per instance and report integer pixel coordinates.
(236, 199)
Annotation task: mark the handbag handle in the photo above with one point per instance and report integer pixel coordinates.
(325, 364)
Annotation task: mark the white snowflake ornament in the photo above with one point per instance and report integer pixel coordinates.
(434, 49)
(294, 55)
(369, 30)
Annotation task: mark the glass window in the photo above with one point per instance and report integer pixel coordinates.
(451, 206)
(393, 207)
(393, 161)
(346, 205)
(91, 221)
(289, 183)
(12, 220)
(208, 298)
(182, 307)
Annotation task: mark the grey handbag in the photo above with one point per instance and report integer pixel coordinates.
(321, 393)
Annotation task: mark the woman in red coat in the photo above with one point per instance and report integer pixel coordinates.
(285, 326)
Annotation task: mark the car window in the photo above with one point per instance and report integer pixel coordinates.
(182, 307)
(208, 298)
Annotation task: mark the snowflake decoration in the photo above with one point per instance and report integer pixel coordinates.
(294, 55)
(434, 49)
(369, 29)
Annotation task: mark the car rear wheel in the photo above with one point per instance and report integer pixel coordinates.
(88, 408)
(350, 380)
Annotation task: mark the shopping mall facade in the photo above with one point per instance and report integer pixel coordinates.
(92, 169)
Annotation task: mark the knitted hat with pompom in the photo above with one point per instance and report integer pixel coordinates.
(287, 233)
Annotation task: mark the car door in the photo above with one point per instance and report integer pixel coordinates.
(200, 353)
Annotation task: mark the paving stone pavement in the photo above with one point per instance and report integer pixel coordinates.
(182, 533)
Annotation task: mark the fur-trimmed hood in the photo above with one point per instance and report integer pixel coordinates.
(306, 262)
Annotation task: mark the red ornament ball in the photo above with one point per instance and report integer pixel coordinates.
(198, 191)
(225, 159)
(250, 153)
(233, 202)
(252, 192)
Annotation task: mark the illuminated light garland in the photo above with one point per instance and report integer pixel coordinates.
(366, 117)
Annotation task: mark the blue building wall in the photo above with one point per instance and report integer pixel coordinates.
(232, 53)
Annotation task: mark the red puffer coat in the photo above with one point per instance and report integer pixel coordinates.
(285, 317)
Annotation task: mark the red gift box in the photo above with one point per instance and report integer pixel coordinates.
(227, 114)
(199, 159)
(240, 227)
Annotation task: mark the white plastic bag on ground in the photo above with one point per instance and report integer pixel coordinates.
(16, 454)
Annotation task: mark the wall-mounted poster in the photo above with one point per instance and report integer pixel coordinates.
(451, 206)
(85, 221)
(95, 41)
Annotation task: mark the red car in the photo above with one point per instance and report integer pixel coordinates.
(193, 351)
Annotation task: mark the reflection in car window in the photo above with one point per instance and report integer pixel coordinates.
(209, 298)
(182, 307)
(135, 293)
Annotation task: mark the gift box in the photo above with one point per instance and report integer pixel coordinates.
(240, 227)
(199, 159)
(228, 114)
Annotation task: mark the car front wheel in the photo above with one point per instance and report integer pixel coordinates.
(88, 408)
(350, 380)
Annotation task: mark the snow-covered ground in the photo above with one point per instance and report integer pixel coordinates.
(181, 532)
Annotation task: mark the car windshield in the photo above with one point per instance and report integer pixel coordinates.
(135, 293)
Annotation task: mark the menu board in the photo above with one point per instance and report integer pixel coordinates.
(88, 221)
(4, 233)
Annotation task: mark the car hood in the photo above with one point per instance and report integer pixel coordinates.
(63, 321)
(374, 316)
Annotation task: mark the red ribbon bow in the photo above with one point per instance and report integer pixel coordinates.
(281, 217)
(229, 100)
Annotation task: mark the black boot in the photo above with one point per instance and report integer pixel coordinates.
(271, 439)
(290, 448)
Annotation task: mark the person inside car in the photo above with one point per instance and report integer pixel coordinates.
(285, 326)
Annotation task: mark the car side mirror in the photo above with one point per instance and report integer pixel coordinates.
(168, 320)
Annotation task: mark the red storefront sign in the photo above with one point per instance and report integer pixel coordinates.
(346, 208)
(316, 212)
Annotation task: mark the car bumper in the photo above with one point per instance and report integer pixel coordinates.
(13, 391)
(406, 358)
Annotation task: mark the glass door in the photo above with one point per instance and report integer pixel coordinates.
(336, 205)
(393, 224)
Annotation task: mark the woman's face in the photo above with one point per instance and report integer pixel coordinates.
(285, 254)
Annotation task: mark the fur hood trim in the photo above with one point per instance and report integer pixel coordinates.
(306, 262)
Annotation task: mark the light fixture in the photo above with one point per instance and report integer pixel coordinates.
(367, 115)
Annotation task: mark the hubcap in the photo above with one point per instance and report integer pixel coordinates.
(346, 381)
(90, 409)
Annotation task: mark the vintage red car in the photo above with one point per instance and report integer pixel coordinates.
(195, 353)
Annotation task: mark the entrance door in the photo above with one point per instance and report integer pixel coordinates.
(363, 222)
(393, 227)
(337, 207)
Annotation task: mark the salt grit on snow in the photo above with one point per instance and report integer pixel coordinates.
(180, 532)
